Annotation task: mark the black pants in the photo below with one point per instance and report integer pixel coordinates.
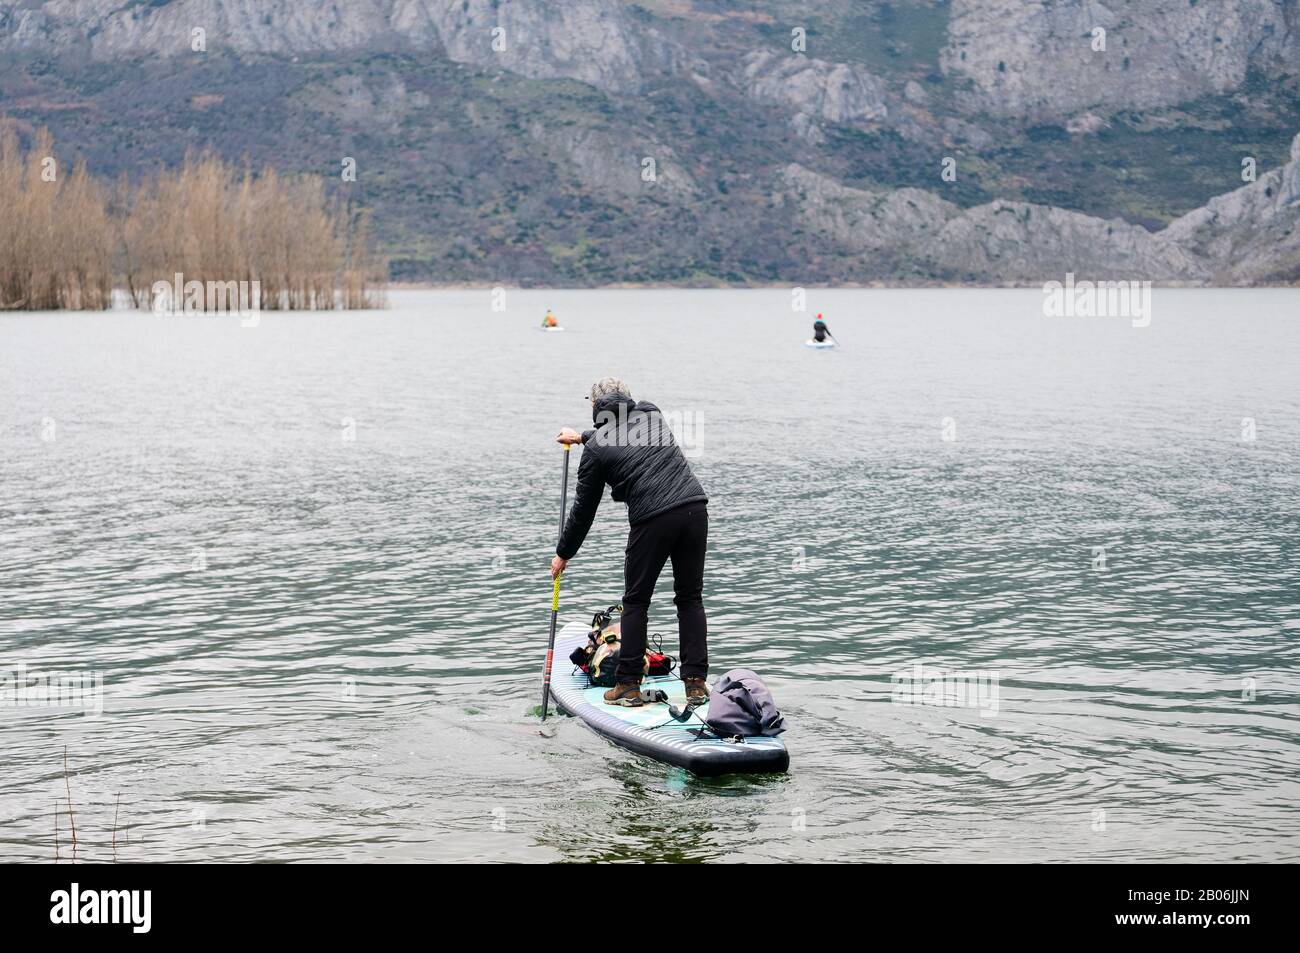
(681, 535)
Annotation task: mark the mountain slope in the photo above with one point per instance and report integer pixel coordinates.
(529, 163)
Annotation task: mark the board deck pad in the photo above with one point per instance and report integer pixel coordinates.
(650, 730)
(648, 716)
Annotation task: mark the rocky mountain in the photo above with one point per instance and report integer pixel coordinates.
(1040, 58)
(814, 91)
(710, 141)
(1248, 236)
(585, 40)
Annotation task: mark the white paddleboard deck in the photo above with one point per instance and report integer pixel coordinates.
(643, 729)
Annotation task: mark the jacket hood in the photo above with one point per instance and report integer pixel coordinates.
(611, 407)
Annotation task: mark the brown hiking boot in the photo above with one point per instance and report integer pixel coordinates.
(627, 694)
(697, 691)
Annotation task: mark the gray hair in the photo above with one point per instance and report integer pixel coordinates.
(607, 387)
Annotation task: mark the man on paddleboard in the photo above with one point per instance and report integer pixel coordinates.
(820, 330)
(632, 450)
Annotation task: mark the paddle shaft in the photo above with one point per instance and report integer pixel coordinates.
(555, 590)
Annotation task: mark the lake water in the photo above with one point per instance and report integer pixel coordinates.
(308, 561)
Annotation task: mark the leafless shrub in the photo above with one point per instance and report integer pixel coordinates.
(56, 247)
(206, 220)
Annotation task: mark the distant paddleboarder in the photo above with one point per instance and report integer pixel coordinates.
(820, 331)
(550, 321)
(632, 450)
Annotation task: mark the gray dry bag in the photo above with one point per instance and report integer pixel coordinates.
(740, 704)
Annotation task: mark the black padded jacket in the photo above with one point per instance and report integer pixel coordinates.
(632, 450)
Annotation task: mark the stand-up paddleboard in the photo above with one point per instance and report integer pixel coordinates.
(551, 330)
(818, 344)
(643, 729)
